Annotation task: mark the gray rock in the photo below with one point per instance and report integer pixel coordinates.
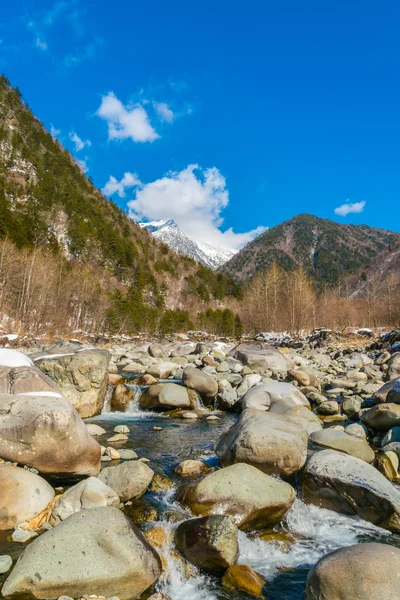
(89, 493)
(121, 397)
(260, 357)
(164, 396)
(82, 378)
(382, 417)
(5, 563)
(341, 441)
(360, 572)
(97, 551)
(270, 442)
(209, 542)
(255, 500)
(274, 396)
(393, 371)
(46, 433)
(202, 383)
(346, 484)
(23, 496)
(130, 479)
(304, 418)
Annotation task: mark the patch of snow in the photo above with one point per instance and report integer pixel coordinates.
(13, 358)
(49, 394)
(10, 337)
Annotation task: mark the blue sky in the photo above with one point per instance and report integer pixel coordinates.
(225, 116)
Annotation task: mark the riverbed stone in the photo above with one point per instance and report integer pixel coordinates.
(199, 381)
(129, 479)
(162, 370)
(46, 433)
(209, 542)
(164, 396)
(89, 493)
(341, 441)
(96, 551)
(23, 496)
(393, 371)
(121, 397)
(244, 579)
(348, 485)
(272, 443)
(368, 571)
(304, 418)
(82, 378)
(191, 468)
(260, 357)
(380, 397)
(255, 500)
(382, 417)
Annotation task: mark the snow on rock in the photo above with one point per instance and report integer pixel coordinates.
(13, 358)
(169, 233)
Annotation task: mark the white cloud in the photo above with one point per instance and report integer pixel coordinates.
(195, 199)
(54, 132)
(163, 111)
(82, 164)
(345, 209)
(126, 121)
(118, 187)
(41, 44)
(79, 143)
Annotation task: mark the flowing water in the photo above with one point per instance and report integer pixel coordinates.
(307, 533)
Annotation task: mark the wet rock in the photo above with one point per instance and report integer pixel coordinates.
(349, 485)
(164, 396)
(46, 433)
(254, 499)
(97, 551)
(244, 579)
(191, 468)
(115, 379)
(382, 417)
(127, 454)
(88, 493)
(147, 379)
(270, 442)
(341, 441)
(388, 464)
(199, 381)
(95, 430)
(23, 496)
(121, 396)
(360, 572)
(130, 479)
(209, 542)
(82, 378)
(119, 437)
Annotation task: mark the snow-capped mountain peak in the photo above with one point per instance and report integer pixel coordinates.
(206, 254)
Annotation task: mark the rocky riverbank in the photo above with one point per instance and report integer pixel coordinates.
(206, 469)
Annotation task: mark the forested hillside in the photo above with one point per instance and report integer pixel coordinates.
(327, 250)
(88, 261)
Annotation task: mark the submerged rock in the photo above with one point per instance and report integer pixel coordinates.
(360, 572)
(209, 542)
(244, 579)
(349, 485)
(254, 499)
(270, 442)
(97, 551)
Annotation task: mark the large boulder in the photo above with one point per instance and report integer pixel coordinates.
(304, 418)
(393, 371)
(382, 417)
(121, 397)
(255, 500)
(394, 394)
(351, 486)
(272, 443)
(164, 396)
(360, 572)
(341, 441)
(129, 480)
(23, 496)
(89, 493)
(380, 397)
(97, 551)
(260, 357)
(201, 382)
(27, 380)
(46, 432)
(82, 377)
(275, 396)
(209, 542)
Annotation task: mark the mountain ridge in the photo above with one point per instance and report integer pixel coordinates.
(170, 233)
(328, 250)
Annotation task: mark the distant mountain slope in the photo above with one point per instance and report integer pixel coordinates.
(328, 250)
(381, 276)
(169, 233)
(46, 201)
